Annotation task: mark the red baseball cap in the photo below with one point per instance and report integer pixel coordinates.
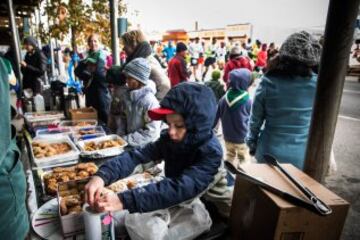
(160, 113)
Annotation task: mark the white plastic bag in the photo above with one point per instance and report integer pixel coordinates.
(182, 222)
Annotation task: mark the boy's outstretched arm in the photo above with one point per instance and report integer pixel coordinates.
(124, 165)
(193, 182)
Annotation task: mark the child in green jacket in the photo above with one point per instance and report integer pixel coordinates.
(217, 87)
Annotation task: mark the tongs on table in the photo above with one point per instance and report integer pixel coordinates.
(319, 205)
(285, 195)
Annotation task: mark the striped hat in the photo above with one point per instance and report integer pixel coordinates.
(138, 69)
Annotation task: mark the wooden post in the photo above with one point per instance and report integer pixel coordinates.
(340, 25)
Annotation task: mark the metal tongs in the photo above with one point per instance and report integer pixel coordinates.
(320, 206)
(286, 196)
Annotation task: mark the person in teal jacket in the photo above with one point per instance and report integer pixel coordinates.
(13, 215)
(282, 108)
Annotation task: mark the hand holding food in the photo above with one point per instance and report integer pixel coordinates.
(108, 202)
(93, 190)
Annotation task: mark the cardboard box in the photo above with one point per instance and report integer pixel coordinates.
(83, 113)
(71, 224)
(259, 214)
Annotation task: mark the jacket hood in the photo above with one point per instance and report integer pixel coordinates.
(240, 79)
(197, 104)
(137, 94)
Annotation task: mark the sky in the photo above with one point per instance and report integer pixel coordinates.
(271, 19)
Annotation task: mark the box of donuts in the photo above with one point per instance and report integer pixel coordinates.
(52, 177)
(71, 198)
(48, 152)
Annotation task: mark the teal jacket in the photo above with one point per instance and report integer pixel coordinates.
(280, 118)
(14, 222)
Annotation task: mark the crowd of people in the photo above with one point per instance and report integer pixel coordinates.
(274, 120)
(162, 103)
(198, 57)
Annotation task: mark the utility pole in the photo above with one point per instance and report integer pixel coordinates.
(114, 5)
(339, 31)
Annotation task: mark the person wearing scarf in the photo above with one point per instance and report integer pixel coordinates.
(135, 46)
(234, 112)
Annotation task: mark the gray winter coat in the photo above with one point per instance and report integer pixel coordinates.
(133, 123)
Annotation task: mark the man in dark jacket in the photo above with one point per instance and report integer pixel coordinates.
(34, 66)
(191, 152)
(177, 66)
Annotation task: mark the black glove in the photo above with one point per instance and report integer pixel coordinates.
(252, 151)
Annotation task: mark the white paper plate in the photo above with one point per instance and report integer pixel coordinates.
(46, 222)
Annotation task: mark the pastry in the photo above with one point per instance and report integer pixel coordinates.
(42, 150)
(83, 174)
(63, 207)
(131, 184)
(92, 146)
(75, 209)
(66, 174)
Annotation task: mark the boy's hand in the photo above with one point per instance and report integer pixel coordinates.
(93, 190)
(109, 202)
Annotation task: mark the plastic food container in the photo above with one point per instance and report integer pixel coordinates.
(73, 223)
(32, 117)
(85, 133)
(75, 124)
(41, 120)
(133, 181)
(101, 153)
(56, 160)
(53, 132)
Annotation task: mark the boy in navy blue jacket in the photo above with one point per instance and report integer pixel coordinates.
(234, 111)
(191, 152)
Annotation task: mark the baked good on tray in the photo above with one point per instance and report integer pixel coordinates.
(41, 149)
(93, 146)
(65, 174)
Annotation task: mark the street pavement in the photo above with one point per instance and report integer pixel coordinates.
(346, 181)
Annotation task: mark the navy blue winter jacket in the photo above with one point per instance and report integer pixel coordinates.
(235, 122)
(190, 166)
